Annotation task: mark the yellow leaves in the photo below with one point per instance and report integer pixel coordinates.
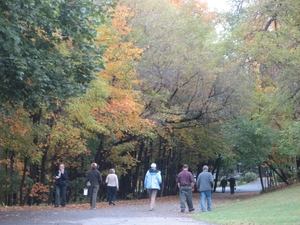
(16, 131)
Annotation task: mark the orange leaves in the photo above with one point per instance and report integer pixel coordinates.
(119, 23)
(40, 191)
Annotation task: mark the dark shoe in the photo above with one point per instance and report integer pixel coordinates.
(113, 203)
(110, 203)
(182, 211)
(56, 206)
(191, 210)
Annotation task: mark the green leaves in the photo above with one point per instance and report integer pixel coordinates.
(252, 141)
(47, 49)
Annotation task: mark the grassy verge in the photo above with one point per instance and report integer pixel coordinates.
(275, 208)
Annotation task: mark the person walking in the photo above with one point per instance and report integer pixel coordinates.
(232, 184)
(223, 184)
(204, 185)
(61, 186)
(152, 184)
(94, 178)
(112, 186)
(185, 182)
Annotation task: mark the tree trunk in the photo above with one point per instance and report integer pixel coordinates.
(11, 195)
(284, 179)
(297, 164)
(261, 178)
(218, 163)
(23, 182)
(137, 168)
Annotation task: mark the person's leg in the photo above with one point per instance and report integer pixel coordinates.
(152, 199)
(231, 189)
(94, 198)
(208, 196)
(223, 189)
(109, 193)
(182, 195)
(57, 196)
(91, 188)
(202, 196)
(189, 199)
(63, 196)
(114, 193)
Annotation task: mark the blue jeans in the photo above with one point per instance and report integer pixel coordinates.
(60, 191)
(205, 194)
(111, 191)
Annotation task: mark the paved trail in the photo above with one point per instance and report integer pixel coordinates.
(124, 212)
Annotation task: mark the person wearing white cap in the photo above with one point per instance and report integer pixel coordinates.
(152, 184)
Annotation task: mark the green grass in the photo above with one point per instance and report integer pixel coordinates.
(280, 207)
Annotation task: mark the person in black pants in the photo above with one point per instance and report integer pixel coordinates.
(232, 184)
(61, 186)
(223, 184)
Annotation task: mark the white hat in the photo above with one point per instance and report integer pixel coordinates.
(153, 165)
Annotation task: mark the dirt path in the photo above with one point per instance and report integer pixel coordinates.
(124, 212)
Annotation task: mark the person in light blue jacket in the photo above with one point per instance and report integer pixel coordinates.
(152, 184)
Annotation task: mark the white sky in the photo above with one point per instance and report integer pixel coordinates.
(219, 5)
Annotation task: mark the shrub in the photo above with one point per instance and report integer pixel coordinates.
(249, 176)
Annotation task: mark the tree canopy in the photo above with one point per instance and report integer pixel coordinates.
(128, 83)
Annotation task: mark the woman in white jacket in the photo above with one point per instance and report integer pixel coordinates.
(152, 184)
(112, 186)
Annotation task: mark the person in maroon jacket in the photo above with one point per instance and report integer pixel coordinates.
(185, 182)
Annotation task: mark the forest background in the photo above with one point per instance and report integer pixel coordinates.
(127, 83)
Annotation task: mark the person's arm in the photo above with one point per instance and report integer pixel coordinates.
(198, 183)
(159, 179)
(106, 180)
(192, 181)
(64, 175)
(100, 178)
(178, 180)
(87, 178)
(145, 180)
(117, 182)
(211, 179)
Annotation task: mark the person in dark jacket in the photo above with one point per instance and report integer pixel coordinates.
(95, 179)
(232, 184)
(204, 184)
(223, 184)
(61, 186)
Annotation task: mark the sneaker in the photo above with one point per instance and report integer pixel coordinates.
(182, 211)
(191, 210)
